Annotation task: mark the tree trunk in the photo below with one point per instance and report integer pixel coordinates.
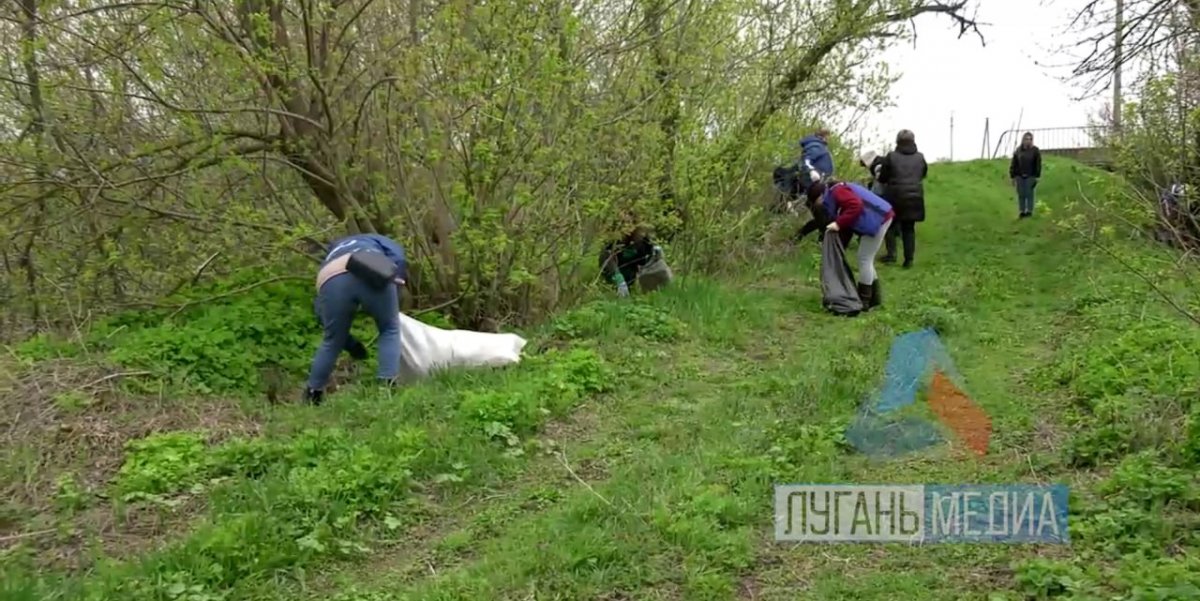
(37, 131)
(668, 110)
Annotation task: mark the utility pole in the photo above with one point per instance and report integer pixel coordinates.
(951, 136)
(987, 138)
(1118, 42)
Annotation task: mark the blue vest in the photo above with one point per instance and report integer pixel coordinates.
(875, 209)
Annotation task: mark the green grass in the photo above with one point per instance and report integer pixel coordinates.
(636, 460)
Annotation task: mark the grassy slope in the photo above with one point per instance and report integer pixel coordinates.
(661, 488)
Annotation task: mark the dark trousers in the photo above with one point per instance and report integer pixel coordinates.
(907, 230)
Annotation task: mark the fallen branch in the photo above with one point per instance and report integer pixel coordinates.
(21, 535)
(562, 458)
(124, 374)
(436, 307)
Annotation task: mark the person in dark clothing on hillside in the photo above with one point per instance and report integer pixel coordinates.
(1025, 170)
(621, 260)
(902, 175)
(342, 288)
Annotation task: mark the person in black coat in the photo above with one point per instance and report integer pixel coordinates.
(1025, 170)
(902, 175)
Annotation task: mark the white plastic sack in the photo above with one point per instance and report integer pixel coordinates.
(425, 349)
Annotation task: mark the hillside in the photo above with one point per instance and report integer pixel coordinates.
(632, 456)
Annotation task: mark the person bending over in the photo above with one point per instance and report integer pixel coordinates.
(858, 210)
(361, 271)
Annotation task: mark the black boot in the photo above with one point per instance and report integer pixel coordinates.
(865, 294)
(876, 294)
(314, 397)
(909, 234)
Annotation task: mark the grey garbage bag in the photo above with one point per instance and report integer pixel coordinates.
(654, 276)
(839, 294)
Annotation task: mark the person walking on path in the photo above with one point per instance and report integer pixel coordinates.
(902, 175)
(1024, 171)
(856, 209)
(367, 271)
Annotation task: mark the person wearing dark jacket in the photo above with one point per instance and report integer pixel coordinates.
(1024, 171)
(815, 155)
(621, 260)
(341, 292)
(902, 175)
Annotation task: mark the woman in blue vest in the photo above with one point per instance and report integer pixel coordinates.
(367, 271)
(856, 209)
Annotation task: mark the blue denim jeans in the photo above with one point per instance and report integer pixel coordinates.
(1025, 188)
(337, 302)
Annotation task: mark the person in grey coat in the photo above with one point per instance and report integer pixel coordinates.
(902, 175)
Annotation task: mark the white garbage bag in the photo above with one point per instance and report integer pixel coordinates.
(425, 349)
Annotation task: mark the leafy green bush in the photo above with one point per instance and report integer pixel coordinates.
(220, 348)
(636, 317)
(558, 381)
(162, 463)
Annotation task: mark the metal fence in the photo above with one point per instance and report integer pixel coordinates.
(1054, 138)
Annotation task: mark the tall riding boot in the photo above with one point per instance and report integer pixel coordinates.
(865, 295)
(910, 244)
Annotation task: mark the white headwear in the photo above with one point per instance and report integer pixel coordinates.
(867, 158)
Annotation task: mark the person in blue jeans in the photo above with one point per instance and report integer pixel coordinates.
(340, 294)
(1025, 170)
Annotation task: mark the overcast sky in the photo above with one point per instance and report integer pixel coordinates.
(943, 74)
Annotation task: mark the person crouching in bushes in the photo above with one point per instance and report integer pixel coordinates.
(622, 260)
(854, 208)
(367, 271)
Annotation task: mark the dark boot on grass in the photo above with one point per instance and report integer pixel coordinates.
(314, 397)
(865, 295)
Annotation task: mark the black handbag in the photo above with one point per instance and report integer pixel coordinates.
(376, 269)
